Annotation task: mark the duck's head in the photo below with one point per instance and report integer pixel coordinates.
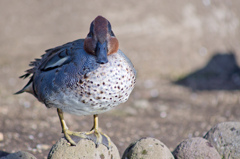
(101, 40)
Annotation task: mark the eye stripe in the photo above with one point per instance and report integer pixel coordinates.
(109, 26)
(91, 27)
(90, 34)
(112, 34)
(110, 29)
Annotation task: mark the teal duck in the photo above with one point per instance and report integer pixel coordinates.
(85, 77)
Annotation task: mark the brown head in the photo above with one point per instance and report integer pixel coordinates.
(101, 40)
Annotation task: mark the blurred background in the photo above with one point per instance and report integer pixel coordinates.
(186, 53)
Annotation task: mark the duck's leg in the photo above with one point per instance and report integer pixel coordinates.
(65, 130)
(95, 135)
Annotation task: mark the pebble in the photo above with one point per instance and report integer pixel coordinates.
(147, 148)
(143, 104)
(43, 147)
(154, 93)
(1, 136)
(225, 137)
(148, 84)
(31, 137)
(197, 148)
(163, 114)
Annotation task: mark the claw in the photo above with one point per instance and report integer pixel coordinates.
(99, 138)
(74, 137)
(69, 139)
(77, 136)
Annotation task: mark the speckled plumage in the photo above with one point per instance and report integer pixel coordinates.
(82, 86)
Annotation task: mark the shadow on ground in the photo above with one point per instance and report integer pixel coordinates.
(220, 73)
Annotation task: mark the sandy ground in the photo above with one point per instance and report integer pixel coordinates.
(186, 53)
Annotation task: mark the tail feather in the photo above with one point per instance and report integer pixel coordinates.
(27, 88)
(19, 92)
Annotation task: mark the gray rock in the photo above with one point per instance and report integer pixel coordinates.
(19, 155)
(84, 149)
(147, 148)
(197, 148)
(225, 137)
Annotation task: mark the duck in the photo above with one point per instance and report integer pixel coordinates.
(84, 77)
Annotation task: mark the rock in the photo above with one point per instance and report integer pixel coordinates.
(84, 149)
(19, 155)
(147, 148)
(3, 153)
(225, 137)
(197, 148)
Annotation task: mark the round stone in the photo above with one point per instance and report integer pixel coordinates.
(84, 149)
(197, 148)
(147, 148)
(225, 137)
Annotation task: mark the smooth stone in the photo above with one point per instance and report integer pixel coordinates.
(225, 137)
(197, 148)
(19, 155)
(147, 148)
(84, 149)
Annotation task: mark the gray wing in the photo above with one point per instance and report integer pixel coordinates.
(53, 58)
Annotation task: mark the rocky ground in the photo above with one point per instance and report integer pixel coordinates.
(187, 55)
